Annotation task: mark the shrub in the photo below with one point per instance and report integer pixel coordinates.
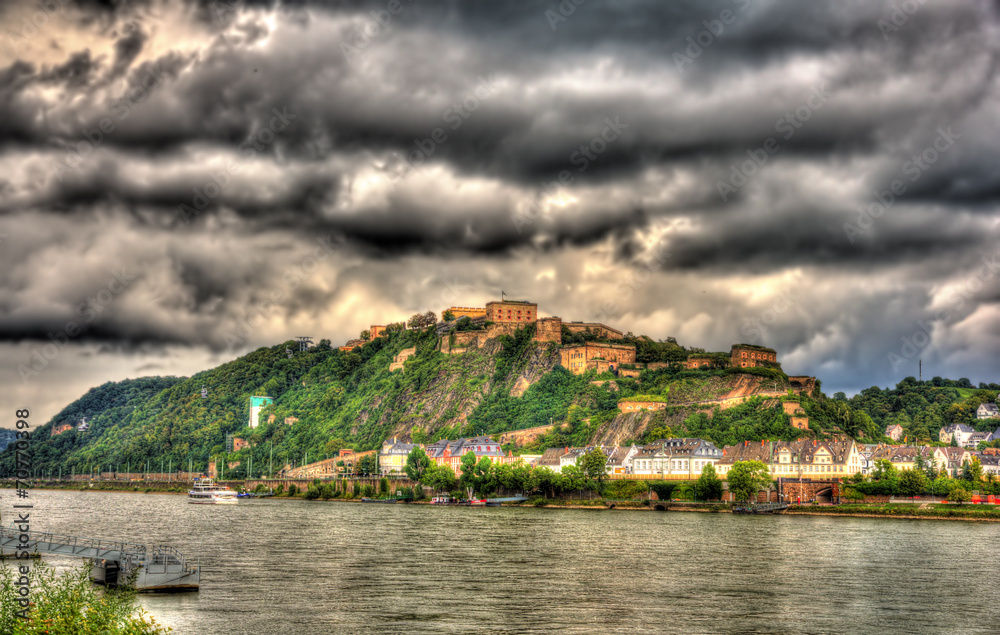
(852, 494)
(623, 489)
(293, 489)
(312, 493)
(69, 603)
(280, 490)
(959, 495)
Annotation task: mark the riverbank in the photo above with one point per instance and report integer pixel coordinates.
(910, 511)
(902, 510)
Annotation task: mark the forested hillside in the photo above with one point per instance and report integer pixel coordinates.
(326, 399)
(922, 408)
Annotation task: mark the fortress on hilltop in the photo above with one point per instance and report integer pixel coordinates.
(583, 346)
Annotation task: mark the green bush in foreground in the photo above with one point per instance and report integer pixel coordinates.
(68, 604)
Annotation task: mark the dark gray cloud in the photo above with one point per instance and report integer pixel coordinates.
(743, 147)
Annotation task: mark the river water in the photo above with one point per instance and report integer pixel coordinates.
(279, 566)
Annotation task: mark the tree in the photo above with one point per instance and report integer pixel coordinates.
(709, 485)
(885, 471)
(422, 320)
(972, 471)
(365, 335)
(594, 464)
(367, 466)
(746, 478)
(573, 478)
(417, 463)
(912, 482)
(440, 478)
(448, 316)
(469, 480)
(333, 446)
(959, 495)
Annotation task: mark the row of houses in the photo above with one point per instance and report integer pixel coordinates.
(963, 435)
(685, 458)
(392, 457)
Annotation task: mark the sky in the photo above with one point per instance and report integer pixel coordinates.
(183, 182)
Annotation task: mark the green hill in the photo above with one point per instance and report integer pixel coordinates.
(923, 408)
(326, 399)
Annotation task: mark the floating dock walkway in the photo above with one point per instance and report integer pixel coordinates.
(156, 568)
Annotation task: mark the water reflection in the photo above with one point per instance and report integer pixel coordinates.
(299, 567)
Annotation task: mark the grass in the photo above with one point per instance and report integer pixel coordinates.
(930, 510)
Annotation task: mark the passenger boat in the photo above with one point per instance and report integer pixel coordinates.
(206, 492)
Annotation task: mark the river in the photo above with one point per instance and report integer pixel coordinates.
(279, 566)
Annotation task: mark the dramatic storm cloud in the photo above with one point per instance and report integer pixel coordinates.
(181, 182)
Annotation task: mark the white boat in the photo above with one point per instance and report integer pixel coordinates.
(206, 492)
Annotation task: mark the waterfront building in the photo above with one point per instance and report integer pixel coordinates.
(551, 458)
(445, 452)
(904, 457)
(620, 459)
(676, 457)
(802, 458)
(571, 457)
(392, 457)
